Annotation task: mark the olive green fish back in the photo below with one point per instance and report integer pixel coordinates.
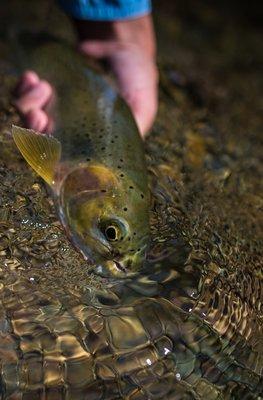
(91, 120)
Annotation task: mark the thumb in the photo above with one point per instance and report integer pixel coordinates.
(98, 49)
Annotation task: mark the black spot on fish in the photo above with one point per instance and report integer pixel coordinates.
(121, 160)
(110, 155)
(139, 249)
(112, 141)
(103, 190)
(119, 166)
(116, 136)
(102, 148)
(142, 196)
(121, 175)
(129, 239)
(87, 159)
(131, 187)
(134, 233)
(125, 209)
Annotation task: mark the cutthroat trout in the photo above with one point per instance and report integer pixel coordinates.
(94, 161)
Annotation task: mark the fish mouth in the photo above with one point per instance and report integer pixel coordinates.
(104, 266)
(120, 267)
(113, 269)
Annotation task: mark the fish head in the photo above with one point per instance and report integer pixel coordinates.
(107, 221)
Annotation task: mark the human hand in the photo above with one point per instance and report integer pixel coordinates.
(128, 47)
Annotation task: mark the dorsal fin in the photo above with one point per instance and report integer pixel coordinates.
(42, 152)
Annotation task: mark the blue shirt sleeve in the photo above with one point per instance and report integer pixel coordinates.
(106, 10)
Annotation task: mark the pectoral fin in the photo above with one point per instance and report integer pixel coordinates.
(42, 152)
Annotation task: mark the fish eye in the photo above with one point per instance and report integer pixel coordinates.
(113, 230)
(111, 233)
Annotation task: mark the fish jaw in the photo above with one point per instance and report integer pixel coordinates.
(122, 267)
(102, 264)
(113, 269)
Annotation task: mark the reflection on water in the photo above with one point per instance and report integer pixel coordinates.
(190, 326)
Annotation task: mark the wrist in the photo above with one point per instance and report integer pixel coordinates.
(138, 32)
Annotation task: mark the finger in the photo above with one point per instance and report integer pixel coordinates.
(27, 81)
(50, 126)
(37, 120)
(98, 49)
(36, 98)
(137, 79)
(144, 105)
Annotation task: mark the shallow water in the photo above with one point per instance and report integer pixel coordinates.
(191, 326)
